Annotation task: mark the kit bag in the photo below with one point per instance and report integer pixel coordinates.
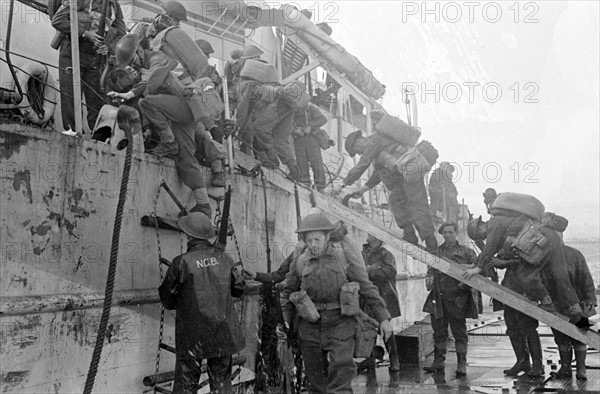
(398, 130)
(522, 203)
(205, 103)
(415, 163)
(260, 71)
(556, 222)
(530, 244)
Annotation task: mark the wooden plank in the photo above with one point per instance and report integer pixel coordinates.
(455, 271)
(311, 66)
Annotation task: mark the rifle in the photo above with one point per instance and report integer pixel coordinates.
(224, 225)
(298, 213)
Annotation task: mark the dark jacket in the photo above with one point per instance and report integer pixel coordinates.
(61, 21)
(459, 300)
(324, 277)
(440, 181)
(580, 277)
(198, 286)
(311, 117)
(381, 268)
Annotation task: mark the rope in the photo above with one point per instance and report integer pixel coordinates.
(112, 269)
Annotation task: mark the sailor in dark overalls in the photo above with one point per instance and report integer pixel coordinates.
(198, 285)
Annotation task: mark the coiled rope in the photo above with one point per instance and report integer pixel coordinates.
(112, 268)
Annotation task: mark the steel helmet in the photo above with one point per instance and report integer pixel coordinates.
(236, 54)
(315, 222)
(205, 47)
(175, 10)
(251, 51)
(350, 140)
(125, 50)
(472, 227)
(197, 225)
(371, 237)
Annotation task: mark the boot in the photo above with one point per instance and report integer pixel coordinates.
(519, 345)
(202, 202)
(294, 174)
(410, 235)
(439, 358)
(580, 363)
(393, 352)
(535, 348)
(566, 357)
(218, 179)
(431, 243)
(163, 149)
(461, 367)
(366, 365)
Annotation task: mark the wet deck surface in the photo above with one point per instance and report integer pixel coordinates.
(489, 354)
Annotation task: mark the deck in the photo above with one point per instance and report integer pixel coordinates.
(489, 353)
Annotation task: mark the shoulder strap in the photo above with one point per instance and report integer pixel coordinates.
(341, 260)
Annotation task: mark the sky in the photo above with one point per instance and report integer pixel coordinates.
(507, 91)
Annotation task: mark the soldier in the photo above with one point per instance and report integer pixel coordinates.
(91, 45)
(450, 302)
(305, 125)
(381, 268)
(408, 201)
(199, 286)
(525, 278)
(321, 271)
(443, 193)
(583, 283)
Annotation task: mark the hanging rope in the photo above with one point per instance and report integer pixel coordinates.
(112, 269)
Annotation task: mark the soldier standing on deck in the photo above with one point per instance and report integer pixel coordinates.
(381, 268)
(306, 144)
(525, 278)
(583, 283)
(320, 273)
(458, 302)
(199, 286)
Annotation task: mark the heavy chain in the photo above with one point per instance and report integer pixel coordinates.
(160, 268)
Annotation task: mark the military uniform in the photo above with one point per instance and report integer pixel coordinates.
(381, 268)
(408, 201)
(440, 185)
(458, 302)
(332, 336)
(198, 286)
(583, 283)
(88, 58)
(306, 146)
(526, 279)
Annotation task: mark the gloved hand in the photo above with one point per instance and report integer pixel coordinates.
(581, 322)
(229, 127)
(588, 308)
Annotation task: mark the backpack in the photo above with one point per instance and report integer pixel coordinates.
(530, 244)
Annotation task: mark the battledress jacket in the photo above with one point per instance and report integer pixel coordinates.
(459, 300)
(198, 286)
(381, 268)
(324, 279)
(580, 277)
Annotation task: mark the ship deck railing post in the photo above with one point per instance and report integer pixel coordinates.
(75, 66)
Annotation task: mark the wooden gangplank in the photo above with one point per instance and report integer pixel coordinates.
(454, 270)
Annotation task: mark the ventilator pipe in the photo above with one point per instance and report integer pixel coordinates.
(333, 52)
(16, 99)
(411, 106)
